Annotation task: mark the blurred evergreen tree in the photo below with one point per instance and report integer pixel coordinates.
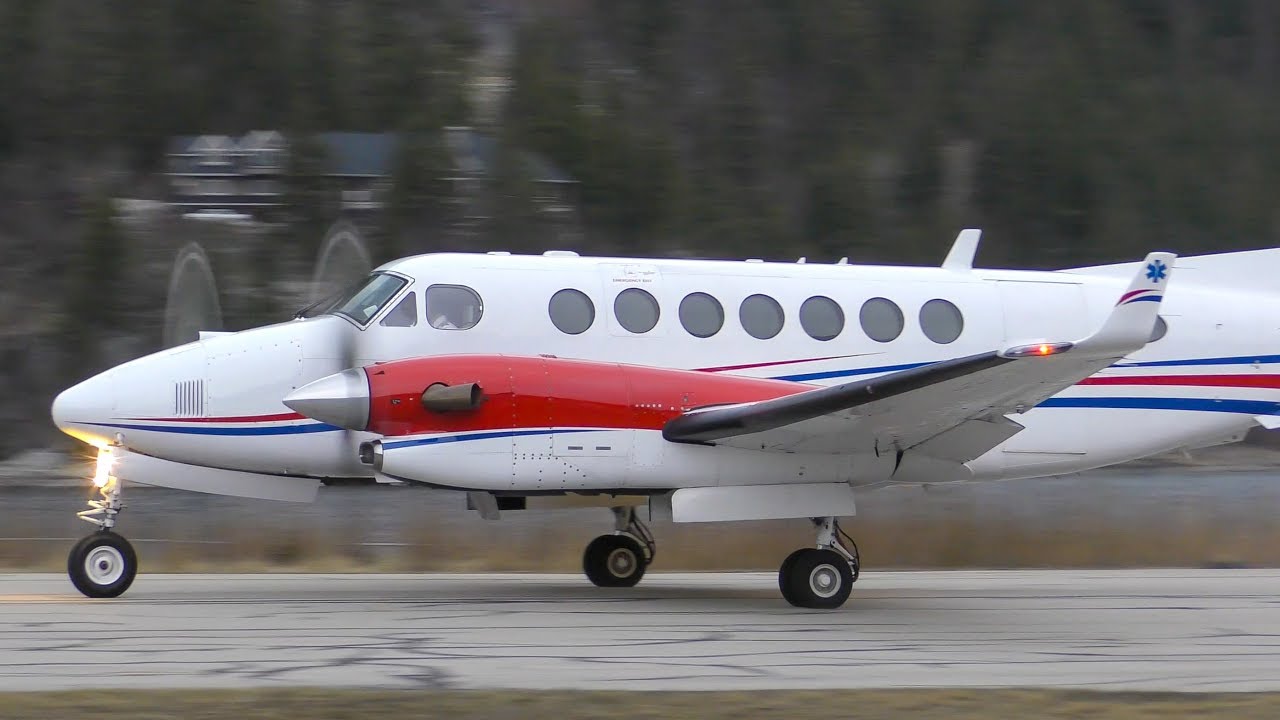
(417, 206)
(1094, 128)
(92, 295)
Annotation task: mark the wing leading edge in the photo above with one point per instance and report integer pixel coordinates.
(953, 410)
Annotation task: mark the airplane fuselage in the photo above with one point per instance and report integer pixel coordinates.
(216, 403)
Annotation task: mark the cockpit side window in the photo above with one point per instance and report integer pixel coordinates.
(453, 307)
(405, 314)
(367, 300)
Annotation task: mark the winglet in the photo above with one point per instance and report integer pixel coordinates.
(1133, 319)
(963, 250)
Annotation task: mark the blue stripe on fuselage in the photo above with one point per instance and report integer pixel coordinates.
(1245, 407)
(232, 431)
(804, 377)
(437, 439)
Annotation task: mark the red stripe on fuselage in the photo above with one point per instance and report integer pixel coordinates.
(1239, 381)
(773, 363)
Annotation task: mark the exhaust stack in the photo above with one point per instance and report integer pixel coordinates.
(439, 397)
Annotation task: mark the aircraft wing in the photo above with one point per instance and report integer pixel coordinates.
(953, 410)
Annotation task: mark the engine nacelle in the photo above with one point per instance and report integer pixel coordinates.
(543, 424)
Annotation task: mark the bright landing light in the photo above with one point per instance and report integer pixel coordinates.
(102, 474)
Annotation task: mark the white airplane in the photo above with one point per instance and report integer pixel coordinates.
(706, 390)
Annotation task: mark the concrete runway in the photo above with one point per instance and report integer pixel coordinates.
(1203, 630)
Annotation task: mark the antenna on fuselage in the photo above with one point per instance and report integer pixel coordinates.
(843, 261)
(963, 250)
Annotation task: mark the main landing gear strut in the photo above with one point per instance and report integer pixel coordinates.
(103, 564)
(821, 577)
(620, 559)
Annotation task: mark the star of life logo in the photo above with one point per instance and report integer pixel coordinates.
(1156, 271)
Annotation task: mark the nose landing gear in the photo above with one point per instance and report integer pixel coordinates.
(821, 577)
(103, 565)
(620, 559)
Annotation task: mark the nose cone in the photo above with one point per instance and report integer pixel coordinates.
(81, 410)
(341, 400)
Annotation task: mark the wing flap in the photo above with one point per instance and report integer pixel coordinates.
(958, 443)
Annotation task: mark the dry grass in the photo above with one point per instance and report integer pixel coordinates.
(325, 704)
(1186, 540)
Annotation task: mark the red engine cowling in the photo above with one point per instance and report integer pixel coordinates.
(460, 393)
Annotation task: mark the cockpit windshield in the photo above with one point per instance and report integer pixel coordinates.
(360, 302)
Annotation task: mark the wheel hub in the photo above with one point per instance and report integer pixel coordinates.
(104, 565)
(824, 581)
(621, 562)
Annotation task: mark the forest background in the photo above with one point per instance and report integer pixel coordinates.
(1072, 131)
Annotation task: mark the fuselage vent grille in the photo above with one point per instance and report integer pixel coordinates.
(188, 398)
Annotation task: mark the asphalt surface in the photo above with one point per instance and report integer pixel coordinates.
(1201, 630)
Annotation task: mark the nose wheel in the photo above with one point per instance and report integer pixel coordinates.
(620, 559)
(103, 565)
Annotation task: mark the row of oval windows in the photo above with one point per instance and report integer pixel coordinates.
(457, 307)
(761, 316)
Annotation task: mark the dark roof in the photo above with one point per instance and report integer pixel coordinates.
(483, 151)
(353, 153)
(180, 144)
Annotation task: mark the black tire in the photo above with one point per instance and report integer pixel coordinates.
(784, 574)
(818, 579)
(102, 565)
(614, 561)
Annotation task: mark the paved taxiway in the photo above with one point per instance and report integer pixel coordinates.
(1150, 629)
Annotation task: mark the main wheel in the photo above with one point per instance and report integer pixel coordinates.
(613, 561)
(820, 579)
(102, 565)
(785, 572)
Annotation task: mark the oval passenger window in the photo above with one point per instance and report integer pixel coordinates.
(636, 310)
(571, 311)
(881, 319)
(941, 321)
(821, 318)
(761, 316)
(701, 315)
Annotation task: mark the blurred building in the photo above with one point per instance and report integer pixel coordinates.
(475, 160)
(222, 173)
(224, 177)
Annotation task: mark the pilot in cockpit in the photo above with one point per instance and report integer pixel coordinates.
(442, 322)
